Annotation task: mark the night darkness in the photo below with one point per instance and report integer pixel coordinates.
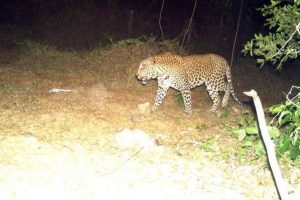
(71, 25)
(85, 24)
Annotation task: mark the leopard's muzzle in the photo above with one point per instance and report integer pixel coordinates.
(143, 80)
(143, 75)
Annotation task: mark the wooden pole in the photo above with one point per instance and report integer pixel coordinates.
(270, 149)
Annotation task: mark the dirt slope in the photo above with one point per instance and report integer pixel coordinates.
(65, 145)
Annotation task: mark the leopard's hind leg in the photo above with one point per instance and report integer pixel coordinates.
(214, 95)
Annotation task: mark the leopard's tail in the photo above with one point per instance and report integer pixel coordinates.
(234, 95)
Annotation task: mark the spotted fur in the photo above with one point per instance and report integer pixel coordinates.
(184, 73)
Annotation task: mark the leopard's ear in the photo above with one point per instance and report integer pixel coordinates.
(152, 60)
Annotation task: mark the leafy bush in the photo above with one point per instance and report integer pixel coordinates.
(287, 118)
(282, 42)
(248, 133)
(284, 129)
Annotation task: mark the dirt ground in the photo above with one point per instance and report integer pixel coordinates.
(94, 143)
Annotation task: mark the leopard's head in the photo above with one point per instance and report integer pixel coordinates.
(146, 70)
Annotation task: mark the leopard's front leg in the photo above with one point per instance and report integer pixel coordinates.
(160, 95)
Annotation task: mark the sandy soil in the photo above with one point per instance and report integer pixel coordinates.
(96, 144)
(68, 146)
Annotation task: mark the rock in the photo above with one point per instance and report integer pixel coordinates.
(135, 139)
(144, 108)
(236, 110)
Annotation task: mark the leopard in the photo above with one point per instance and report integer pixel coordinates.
(184, 73)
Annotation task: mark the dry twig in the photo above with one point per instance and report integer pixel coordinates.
(236, 32)
(190, 22)
(281, 50)
(159, 21)
(292, 99)
(289, 99)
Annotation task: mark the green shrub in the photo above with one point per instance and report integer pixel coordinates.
(287, 118)
(284, 129)
(282, 41)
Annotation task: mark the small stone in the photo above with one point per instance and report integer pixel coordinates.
(135, 139)
(236, 110)
(144, 108)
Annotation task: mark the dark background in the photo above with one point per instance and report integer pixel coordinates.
(88, 24)
(73, 25)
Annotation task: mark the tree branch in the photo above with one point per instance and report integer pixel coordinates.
(191, 19)
(159, 21)
(236, 33)
(291, 36)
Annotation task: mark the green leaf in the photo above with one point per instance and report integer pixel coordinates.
(274, 132)
(277, 109)
(259, 149)
(251, 130)
(247, 143)
(291, 128)
(241, 134)
(284, 117)
(297, 124)
(297, 114)
(286, 120)
(295, 152)
(297, 162)
(236, 132)
(259, 60)
(284, 144)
